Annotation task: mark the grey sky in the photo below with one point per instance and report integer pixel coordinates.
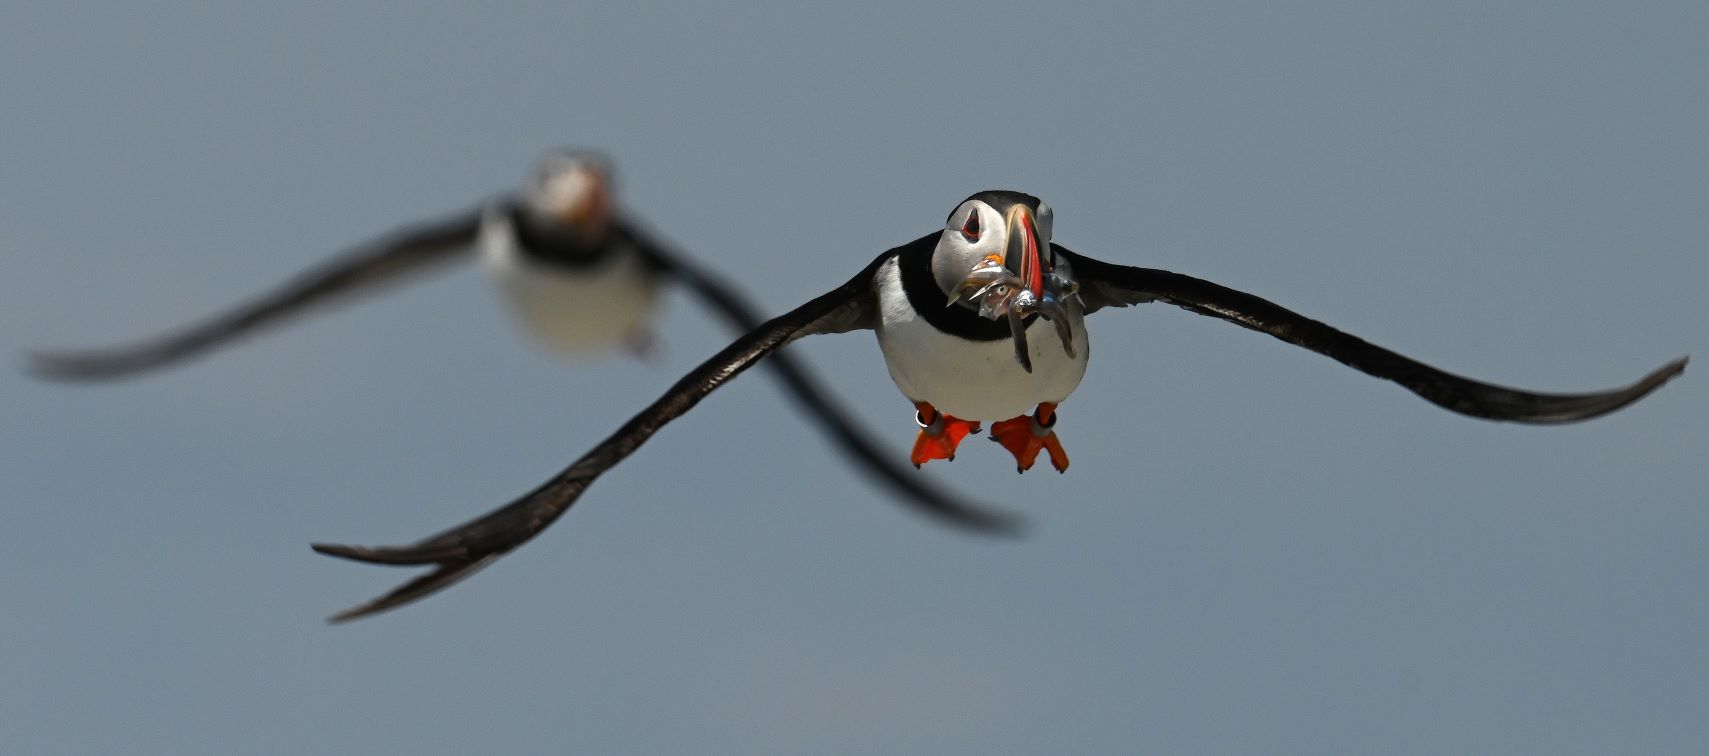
(1257, 550)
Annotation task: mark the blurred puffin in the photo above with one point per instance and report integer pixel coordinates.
(557, 250)
(982, 320)
(579, 276)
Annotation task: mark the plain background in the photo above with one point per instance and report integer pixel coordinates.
(1257, 550)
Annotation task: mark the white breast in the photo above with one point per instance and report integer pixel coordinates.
(973, 380)
(573, 311)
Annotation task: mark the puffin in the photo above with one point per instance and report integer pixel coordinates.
(981, 321)
(579, 276)
(557, 250)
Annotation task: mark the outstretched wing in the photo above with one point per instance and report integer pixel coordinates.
(407, 250)
(460, 551)
(1108, 285)
(831, 416)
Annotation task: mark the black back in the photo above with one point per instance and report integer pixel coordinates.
(1002, 199)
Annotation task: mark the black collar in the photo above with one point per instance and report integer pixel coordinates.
(914, 262)
(537, 241)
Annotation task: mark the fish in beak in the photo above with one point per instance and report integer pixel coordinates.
(1017, 286)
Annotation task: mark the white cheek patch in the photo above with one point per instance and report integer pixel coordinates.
(955, 256)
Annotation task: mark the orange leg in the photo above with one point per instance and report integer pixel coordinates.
(939, 434)
(1024, 436)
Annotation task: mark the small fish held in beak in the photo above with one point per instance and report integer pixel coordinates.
(999, 294)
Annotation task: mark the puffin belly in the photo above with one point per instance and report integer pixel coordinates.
(969, 379)
(572, 311)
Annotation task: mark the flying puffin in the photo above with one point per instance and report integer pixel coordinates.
(557, 250)
(981, 321)
(580, 276)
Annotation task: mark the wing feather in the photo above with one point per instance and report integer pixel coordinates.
(1109, 285)
(850, 306)
(830, 414)
(406, 251)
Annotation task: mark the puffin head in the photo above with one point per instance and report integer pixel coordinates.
(994, 257)
(995, 228)
(571, 192)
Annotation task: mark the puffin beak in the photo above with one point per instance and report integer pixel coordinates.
(594, 210)
(1014, 289)
(1021, 256)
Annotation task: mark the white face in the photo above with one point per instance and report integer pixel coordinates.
(573, 189)
(974, 232)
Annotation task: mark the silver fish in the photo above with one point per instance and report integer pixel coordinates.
(998, 294)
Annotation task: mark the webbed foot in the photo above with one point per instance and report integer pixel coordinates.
(1026, 435)
(939, 435)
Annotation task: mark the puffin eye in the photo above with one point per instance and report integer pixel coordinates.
(970, 229)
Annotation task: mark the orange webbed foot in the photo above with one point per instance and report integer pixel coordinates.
(939, 435)
(1026, 435)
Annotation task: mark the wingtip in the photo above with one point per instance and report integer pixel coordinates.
(46, 366)
(368, 554)
(1664, 374)
(1621, 398)
(335, 549)
(421, 587)
(377, 606)
(353, 613)
(995, 524)
(74, 367)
